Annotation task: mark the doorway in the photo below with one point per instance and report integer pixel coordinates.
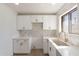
(37, 34)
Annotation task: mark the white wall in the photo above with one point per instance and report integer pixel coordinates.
(7, 29)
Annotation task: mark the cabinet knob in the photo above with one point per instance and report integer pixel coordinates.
(21, 43)
(50, 48)
(23, 28)
(36, 20)
(49, 27)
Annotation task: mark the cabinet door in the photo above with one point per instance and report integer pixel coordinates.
(24, 21)
(53, 50)
(49, 48)
(49, 22)
(45, 23)
(20, 22)
(21, 46)
(37, 18)
(58, 53)
(28, 22)
(45, 46)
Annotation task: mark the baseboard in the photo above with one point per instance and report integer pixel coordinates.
(20, 54)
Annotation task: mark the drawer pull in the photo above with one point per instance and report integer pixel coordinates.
(50, 48)
(21, 44)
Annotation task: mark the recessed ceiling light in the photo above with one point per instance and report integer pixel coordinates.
(16, 3)
(53, 3)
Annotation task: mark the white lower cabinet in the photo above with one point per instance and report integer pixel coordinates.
(57, 53)
(51, 49)
(21, 46)
(45, 46)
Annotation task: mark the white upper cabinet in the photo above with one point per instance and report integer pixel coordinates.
(49, 22)
(37, 18)
(24, 22)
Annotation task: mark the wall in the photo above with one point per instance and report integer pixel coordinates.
(7, 30)
(72, 38)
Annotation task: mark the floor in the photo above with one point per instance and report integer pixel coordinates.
(34, 52)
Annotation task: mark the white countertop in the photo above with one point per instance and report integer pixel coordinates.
(69, 51)
(23, 38)
(66, 50)
(45, 37)
(49, 37)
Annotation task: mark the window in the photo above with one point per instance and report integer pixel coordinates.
(70, 22)
(75, 21)
(65, 23)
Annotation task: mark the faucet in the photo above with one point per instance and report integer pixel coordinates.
(64, 36)
(66, 39)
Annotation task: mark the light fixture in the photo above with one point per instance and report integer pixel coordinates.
(16, 3)
(53, 3)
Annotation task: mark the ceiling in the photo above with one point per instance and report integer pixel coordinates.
(30, 8)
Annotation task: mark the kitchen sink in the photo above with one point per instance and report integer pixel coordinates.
(59, 43)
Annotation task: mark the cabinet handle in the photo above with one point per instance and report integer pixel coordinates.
(50, 48)
(36, 20)
(21, 44)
